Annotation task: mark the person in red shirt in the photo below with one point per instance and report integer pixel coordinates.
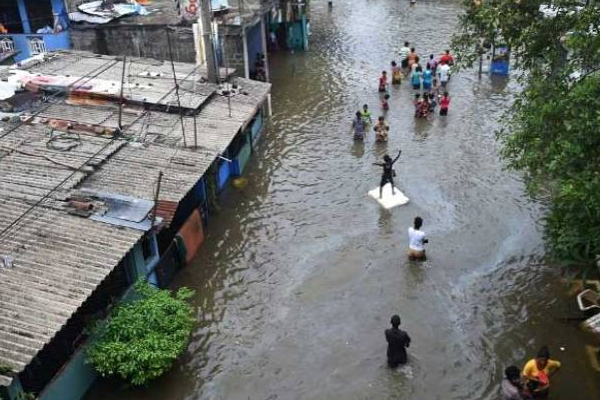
(384, 102)
(383, 82)
(444, 104)
(447, 58)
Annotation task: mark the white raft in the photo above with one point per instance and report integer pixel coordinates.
(389, 200)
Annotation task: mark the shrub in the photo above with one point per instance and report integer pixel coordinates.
(143, 338)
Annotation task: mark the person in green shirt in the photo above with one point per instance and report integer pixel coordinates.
(366, 114)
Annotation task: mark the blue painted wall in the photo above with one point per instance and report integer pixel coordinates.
(195, 197)
(224, 174)
(52, 41)
(242, 157)
(24, 17)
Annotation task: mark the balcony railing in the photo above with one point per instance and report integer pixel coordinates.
(27, 45)
(7, 45)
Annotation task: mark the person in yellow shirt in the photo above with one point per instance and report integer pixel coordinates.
(537, 372)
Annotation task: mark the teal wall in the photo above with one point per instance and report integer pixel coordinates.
(73, 381)
(12, 391)
(75, 378)
(242, 158)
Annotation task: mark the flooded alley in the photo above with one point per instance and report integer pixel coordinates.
(301, 270)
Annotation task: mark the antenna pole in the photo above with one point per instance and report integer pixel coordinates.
(176, 88)
(121, 100)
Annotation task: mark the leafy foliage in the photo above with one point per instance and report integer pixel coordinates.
(551, 133)
(143, 338)
(21, 395)
(6, 369)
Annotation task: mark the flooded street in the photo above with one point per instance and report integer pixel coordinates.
(301, 271)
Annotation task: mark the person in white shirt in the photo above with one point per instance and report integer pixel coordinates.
(416, 240)
(404, 52)
(443, 72)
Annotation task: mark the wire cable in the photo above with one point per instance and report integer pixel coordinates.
(54, 96)
(15, 222)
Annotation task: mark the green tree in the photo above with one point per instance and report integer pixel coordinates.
(143, 338)
(552, 131)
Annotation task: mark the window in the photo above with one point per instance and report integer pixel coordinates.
(148, 248)
(9, 16)
(39, 14)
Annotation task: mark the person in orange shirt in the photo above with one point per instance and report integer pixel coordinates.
(412, 57)
(3, 29)
(537, 372)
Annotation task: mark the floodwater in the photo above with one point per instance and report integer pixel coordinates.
(301, 271)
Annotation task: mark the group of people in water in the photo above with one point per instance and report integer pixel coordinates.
(430, 84)
(431, 90)
(425, 102)
(534, 381)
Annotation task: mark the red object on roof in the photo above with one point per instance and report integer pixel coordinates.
(166, 210)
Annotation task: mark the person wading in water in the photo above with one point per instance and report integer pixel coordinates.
(398, 341)
(388, 172)
(537, 372)
(359, 126)
(416, 240)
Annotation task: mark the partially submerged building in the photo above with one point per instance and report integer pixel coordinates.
(102, 184)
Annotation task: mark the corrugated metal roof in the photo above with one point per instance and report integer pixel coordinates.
(216, 123)
(133, 171)
(58, 259)
(100, 115)
(166, 210)
(148, 81)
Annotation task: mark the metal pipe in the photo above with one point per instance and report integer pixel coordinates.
(209, 48)
(176, 88)
(195, 134)
(156, 195)
(121, 100)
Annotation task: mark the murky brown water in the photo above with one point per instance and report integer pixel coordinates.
(300, 274)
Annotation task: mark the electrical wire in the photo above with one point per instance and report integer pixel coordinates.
(54, 96)
(15, 222)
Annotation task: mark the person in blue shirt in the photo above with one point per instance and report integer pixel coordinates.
(427, 78)
(415, 79)
(359, 126)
